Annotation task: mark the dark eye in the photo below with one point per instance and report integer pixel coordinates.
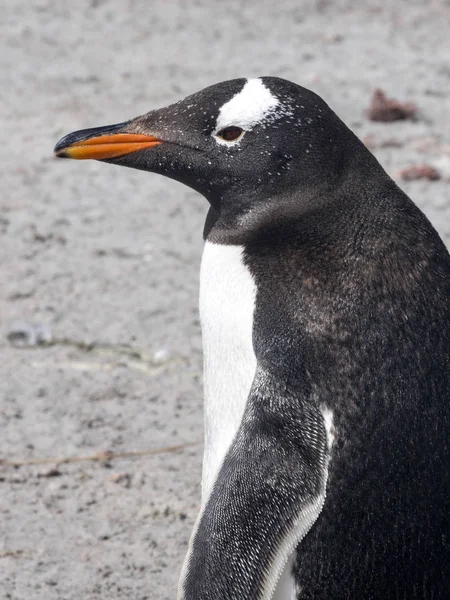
(230, 134)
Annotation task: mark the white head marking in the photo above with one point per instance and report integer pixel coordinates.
(247, 108)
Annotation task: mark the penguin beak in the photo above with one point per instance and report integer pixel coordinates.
(100, 143)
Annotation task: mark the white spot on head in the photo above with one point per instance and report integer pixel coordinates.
(247, 108)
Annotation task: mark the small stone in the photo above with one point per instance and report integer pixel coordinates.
(386, 109)
(123, 478)
(161, 356)
(23, 335)
(420, 172)
(52, 472)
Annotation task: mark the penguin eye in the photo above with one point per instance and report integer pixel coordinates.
(230, 134)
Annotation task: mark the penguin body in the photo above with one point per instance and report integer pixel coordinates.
(325, 311)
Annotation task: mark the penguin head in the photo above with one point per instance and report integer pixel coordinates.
(239, 143)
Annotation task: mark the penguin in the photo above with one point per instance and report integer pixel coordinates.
(325, 314)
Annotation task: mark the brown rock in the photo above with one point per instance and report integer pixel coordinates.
(387, 109)
(420, 172)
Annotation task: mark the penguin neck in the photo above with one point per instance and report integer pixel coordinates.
(241, 220)
(318, 208)
(320, 216)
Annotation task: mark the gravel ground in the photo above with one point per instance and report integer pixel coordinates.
(104, 261)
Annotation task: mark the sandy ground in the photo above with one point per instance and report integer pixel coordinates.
(105, 260)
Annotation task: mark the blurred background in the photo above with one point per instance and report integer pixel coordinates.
(99, 331)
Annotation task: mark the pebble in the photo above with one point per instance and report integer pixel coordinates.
(22, 334)
(161, 356)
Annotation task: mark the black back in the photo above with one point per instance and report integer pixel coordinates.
(353, 307)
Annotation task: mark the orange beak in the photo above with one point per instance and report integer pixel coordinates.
(85, 144)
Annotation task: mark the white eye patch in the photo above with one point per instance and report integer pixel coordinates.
(246, 109)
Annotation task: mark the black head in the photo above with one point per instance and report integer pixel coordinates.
(240, 143)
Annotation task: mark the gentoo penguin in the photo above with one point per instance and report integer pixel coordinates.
(324, 301)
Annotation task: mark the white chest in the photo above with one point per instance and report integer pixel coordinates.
(227, 302)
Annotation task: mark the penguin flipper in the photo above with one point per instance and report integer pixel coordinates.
(269, 491)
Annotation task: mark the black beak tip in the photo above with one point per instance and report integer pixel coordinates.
(63, 143)
(60, 154)
(60, 149)
(84, 134)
